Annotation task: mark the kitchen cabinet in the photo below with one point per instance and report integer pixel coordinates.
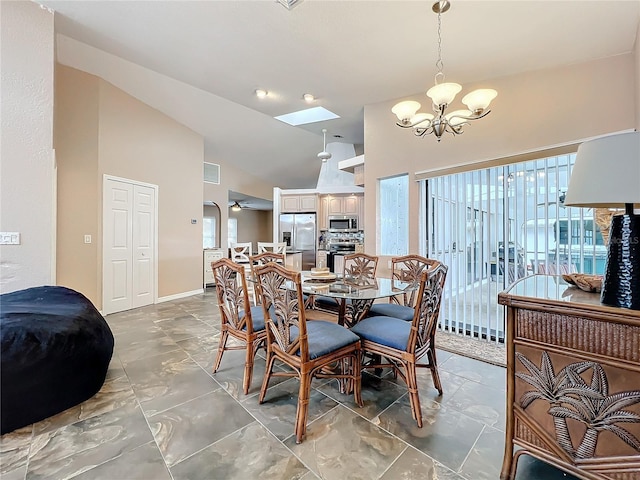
(210, 256)
(338, 264)
(335, 205)
(298, 203)
(323, 214)
(573, 370)
(360, 211)
(342, 204)
(350, 205)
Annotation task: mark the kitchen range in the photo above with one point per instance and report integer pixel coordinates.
(338, 244)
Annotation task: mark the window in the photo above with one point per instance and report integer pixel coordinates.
(232, 230)
(394, 215)
(209, 232)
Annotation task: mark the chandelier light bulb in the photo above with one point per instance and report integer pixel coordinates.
(479, 100)
(443, 93)
(405, 110)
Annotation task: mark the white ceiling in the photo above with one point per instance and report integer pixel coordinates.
(200, 61)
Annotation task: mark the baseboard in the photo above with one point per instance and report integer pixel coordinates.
(178, 296)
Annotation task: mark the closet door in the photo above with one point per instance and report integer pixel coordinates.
(129, 239)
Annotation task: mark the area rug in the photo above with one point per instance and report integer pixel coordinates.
(490, 352)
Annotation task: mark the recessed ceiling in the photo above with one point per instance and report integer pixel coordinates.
(200, 62)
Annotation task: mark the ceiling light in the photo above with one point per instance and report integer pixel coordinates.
(261, 93)
(236, 206)
(324, 155)
(308, 97)
(442, 94)
(309, 115)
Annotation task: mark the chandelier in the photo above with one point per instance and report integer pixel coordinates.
(442, 94)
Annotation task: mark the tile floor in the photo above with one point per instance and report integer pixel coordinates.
(162, 415)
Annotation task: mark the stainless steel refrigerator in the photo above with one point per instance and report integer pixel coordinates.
(298, 231)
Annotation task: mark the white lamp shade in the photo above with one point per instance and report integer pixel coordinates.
(454, 117)
(421, 120)
(405, 110)
(480, 99)
(443, 93)
(606, 173)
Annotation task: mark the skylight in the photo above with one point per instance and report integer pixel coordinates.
(310, 115)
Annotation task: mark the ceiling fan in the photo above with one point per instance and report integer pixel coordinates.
(324, 155)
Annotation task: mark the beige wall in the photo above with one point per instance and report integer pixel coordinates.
(79, 191)
(27, 173)
(637, 90)
(132, 141)
(234, 179)
(253, 226)
(532, 111)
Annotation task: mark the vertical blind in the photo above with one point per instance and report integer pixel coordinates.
(496, 225)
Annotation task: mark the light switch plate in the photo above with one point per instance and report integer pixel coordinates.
(87, 239)
(9, 238)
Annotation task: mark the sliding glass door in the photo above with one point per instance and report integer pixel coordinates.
(496, 225)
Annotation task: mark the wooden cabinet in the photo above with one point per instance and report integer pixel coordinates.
(298, 203)
(335, 205)
(323, 214)
(350, 205)
(573, 380)
(361, 212)
(210, 256)
(339, 205)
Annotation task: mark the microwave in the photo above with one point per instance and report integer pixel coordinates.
(343, 223)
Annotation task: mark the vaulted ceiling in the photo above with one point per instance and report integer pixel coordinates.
(201, 61)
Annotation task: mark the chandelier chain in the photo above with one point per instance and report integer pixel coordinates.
(439, 63)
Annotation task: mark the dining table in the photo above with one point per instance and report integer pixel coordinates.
(354, 296)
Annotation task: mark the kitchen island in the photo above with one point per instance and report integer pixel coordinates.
(293, 260)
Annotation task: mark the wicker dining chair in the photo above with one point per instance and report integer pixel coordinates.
(407, 269)
(404, 343)
(359, 269)
(263, 259)
(239, 319)
(306, 347)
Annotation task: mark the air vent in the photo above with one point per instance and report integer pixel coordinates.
(212, 173)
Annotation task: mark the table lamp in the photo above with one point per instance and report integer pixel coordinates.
(606, 174)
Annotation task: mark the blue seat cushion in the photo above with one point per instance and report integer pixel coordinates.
(388, 331)
(257, 315)
(325, 337)
(391, 310)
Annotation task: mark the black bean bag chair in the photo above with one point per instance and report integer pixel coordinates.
(55, 351)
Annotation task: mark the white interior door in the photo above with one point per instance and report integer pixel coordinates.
(129, 240)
